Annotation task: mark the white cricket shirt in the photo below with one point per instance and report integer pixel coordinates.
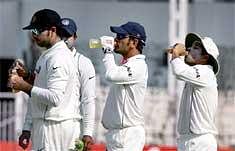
(125, 102)
(199, 98)
(55, 92)
(87, 91)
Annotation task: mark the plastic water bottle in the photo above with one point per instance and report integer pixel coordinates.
(79, 145)
(13, 73)
(95, 43)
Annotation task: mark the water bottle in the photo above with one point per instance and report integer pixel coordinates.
(95, 43)
(79, 145)
(14, 73)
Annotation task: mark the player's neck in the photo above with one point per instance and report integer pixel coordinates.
(131, 53)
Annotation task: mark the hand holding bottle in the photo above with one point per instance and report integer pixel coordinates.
(177, 50)
(104, 42)
(13, 72)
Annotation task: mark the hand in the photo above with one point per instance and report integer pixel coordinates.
(180, 49)
(24, 139)
(177, 50)
(17, 68)
(16, 82)
(88, 142)
(22, 71)
(107, 43)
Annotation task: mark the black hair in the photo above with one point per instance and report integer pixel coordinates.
(211, 61)
(60, 32)
(140, 45)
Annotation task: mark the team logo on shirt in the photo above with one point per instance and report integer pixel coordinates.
(91, 77)
(128, 70)
(197, 72)
(54, 68)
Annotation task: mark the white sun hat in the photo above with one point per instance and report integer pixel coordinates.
(209, 46)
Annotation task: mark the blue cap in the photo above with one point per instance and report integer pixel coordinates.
(132, 29)
(44, 18)
(69, 26)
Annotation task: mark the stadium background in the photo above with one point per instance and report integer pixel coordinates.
(215, 18)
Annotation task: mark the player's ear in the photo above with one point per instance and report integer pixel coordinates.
(135, 41)
(51, 30)
(75, 36)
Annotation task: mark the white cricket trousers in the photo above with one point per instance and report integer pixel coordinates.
(50, 135)
(193, 142)
(126, 139)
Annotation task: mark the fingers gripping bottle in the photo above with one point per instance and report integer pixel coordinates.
(14, 71)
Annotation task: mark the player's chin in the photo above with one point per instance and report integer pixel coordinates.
(41, 45)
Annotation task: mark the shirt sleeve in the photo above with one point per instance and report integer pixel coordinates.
(58, 75)
(125, 74)
(28, 118)
(87, 91)
(192, 74)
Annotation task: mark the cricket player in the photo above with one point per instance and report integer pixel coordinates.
(196, 123)
(87, 83)
(53, 115)
(123, 114)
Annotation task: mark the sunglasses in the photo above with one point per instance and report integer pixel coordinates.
(121, 36)
(37, 32)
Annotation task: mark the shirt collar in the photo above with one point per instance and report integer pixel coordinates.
(74, 51)
(56, 45)
(60, 43)
(139, 56)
